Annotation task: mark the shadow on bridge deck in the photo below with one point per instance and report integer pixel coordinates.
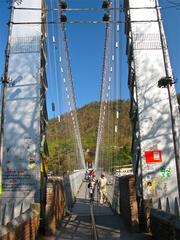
(77, 225)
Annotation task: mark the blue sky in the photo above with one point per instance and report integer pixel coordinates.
(86, 43)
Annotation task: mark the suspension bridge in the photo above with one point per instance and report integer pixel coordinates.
(41, 202)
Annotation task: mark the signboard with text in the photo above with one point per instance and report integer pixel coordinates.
(21, 143)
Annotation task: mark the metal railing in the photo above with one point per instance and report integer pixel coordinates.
(12, 209)
(94, 229)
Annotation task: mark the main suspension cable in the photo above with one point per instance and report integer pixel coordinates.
(72, 101)
(102, 101)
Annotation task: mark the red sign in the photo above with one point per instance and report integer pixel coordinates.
(153, 156)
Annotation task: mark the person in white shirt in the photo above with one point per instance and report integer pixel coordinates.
(103, 182)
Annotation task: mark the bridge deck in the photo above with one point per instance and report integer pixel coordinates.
(109, 225)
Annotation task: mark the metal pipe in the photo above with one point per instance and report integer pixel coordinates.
(67, 9)
(84, 9)
(80, 22)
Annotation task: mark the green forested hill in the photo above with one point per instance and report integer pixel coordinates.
(61, 145)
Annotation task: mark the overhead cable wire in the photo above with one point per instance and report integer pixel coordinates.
(66, 118)
(173, 3)
(73, 97)
(109, 93)
(76, 126)
(72, 103)
(56, 109)
(111, 103)
(117, 76)
(81, 22)
(55, 62)
(50, 82)
(99, 135)
(102, 100)
(121, 129)
(67, 97)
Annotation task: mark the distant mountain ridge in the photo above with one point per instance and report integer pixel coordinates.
(61, 145)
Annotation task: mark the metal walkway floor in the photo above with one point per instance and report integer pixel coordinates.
(77, 226)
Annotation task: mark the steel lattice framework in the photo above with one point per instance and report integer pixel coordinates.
(24, 113)
(154, 108)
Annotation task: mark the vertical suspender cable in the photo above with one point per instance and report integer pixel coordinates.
(55, 61)
(121, 129)
(56, 81)
(50, 83)
(116, 130)
(99, 135)
(112, 75)
(103, 101)
(72, 96)
(64, 77)
(73, 99)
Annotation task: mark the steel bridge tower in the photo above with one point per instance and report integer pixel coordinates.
(24, 114)
(154, 109)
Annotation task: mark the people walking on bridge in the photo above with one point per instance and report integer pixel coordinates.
(102, 184)
(91, 186)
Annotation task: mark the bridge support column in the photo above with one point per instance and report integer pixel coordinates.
(128, 202)
(55, 205)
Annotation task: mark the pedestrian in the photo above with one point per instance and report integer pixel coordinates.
(91, 186)
(102, 183)
(91, 173)
(86, 176)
